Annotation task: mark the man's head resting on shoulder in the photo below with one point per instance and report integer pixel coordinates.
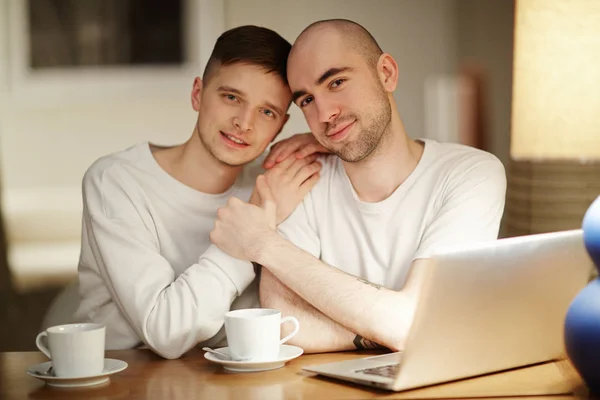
(243, 97)
(343, 83)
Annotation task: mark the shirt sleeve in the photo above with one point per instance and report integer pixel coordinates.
(470, 210)
(169, 314)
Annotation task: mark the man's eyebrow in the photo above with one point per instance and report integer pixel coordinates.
(230, 89)
(297, 94)
(331, 72)
(274, 107)
(327, 74)
(240, 93)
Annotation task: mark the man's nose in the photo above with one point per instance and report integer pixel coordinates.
(244, 121)
(327, 111)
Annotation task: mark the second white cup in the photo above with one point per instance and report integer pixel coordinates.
(255, 333)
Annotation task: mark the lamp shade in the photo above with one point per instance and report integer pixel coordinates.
(556, 80)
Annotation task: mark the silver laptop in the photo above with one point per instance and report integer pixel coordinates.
(485, 308)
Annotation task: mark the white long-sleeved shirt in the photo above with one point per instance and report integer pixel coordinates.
(147, 269)
(455, 195)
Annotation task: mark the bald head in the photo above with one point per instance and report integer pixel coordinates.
(352, 35)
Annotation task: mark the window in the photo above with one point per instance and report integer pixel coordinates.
(70, 51)
(75, 33)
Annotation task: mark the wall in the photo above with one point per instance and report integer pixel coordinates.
(53, 126)
(485, 37)
(53, 146)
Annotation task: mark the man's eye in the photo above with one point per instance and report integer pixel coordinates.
(230, 97)
(269, 113)
(336, 83)
(306, 101)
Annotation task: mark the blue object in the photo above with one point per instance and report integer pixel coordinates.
(582, 323)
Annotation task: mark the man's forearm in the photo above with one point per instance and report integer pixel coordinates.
(318, 333)
(377, 314)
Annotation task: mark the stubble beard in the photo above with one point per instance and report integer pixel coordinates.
(370, 137)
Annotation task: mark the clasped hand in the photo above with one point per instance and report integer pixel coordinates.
(241, 229)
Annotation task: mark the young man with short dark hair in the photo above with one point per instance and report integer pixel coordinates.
(147, 268)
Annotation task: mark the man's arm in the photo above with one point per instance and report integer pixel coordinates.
(318, 333)
(169, 314)
(372, 315)
(246, 231)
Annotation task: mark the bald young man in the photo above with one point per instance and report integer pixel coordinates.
(350, 261)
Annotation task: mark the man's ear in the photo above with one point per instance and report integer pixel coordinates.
(387, 71)
(197, 93)
(285, 120)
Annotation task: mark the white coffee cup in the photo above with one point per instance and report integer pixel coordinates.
(255, 333)
(76, 350)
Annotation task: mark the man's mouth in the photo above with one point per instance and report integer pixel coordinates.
(340, 131)
(234, 139)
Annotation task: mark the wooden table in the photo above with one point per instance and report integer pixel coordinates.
(192, 377)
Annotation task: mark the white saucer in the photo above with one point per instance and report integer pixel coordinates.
(111, 366)
(286, 353)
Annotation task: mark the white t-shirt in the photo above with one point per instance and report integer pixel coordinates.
(147, 268)
(454, 196)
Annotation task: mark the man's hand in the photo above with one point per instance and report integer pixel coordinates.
(289, 181)
(300, 145)
(242, 228)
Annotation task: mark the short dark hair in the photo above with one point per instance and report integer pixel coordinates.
(251, 45)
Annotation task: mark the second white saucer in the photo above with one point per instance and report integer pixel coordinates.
(286, 353)
(111, 366)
